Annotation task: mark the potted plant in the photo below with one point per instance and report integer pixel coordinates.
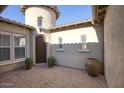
(51, 61)
(28, 63)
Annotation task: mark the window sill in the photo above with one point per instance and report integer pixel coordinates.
(60, 50)
(2, 63)
(83, 50)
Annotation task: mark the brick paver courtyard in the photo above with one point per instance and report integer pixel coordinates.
(40, 76)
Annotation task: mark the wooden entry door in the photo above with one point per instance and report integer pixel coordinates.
(40, 49)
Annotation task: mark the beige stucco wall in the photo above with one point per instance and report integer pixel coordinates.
(32, 13)
(10, 67)
(49, 20)
(114, 46)
(71, 56)
(14, 29)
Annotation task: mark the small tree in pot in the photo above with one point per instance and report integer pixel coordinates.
(28, 63)
(51, 61)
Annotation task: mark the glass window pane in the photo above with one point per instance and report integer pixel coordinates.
(60, 42)
(60, 45)
(83, 39)
(19, 52)
(6, 40)
(83, 46)
(39, 21)
(16, 41)
(4, 54)
(20, 40)
(1, 40)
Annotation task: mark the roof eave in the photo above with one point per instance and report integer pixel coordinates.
(15, 23)
(94, 12)
(52, 7)
(2, 8)
(68, 26)
(98, 13)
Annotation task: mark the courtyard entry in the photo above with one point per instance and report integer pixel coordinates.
(57, 77)
(40, 49)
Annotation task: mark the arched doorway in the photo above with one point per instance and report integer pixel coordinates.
(40, 49)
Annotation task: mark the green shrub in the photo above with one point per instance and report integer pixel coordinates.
(28, 61)
(51, 61)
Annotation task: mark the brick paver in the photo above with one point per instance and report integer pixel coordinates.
(40, 76)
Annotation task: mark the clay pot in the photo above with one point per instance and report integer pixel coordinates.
(28, 66)
(94, 67)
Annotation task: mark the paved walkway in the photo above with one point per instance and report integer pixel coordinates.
(42, 76)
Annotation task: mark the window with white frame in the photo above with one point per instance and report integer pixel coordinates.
(60, 42)
(4, 46)
(19, 46)
(83, 44)
(40, 21)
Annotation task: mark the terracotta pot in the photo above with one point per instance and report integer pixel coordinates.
(28, 67)
(94, 67)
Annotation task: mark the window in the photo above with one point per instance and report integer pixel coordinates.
(19, 46)
(83, 44)
(60, 49)
(60, 42)
(12, 46)
(4, 46)
(39, 21)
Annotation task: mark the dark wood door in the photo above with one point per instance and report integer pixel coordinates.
(40, 49)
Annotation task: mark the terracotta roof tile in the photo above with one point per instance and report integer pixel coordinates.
(52, 7)
(70, 24)
(15, 22)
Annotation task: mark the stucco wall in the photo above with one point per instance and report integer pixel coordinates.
(71, 56)
(10, 67)
(49, 20)
(32, 13)
(114, 46)
(14, 29)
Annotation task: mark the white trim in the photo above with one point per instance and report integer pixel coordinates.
(26, 45)
(5, 33)
(12, 55)
(9, 34)
(83, 50)
(5, 46)
(34, 49)
(19, 46)
(12, 43)
(17, 34)
(60, 50)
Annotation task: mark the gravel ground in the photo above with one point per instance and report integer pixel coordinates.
(40, 76)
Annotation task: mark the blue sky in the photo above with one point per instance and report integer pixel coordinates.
(68, 13)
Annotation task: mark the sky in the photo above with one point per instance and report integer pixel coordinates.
(68, 13)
